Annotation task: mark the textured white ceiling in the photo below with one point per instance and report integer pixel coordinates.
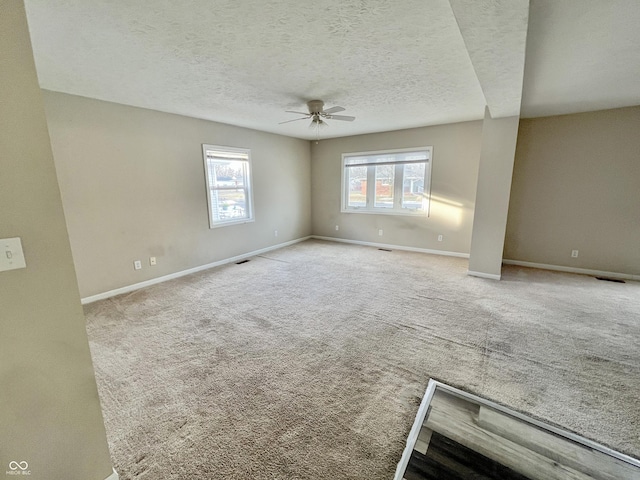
(391, 64)
(582, 55)
(495, 34)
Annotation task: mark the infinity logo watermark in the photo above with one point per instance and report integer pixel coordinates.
(18, 468)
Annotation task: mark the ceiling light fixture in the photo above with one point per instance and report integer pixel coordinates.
(318, 115)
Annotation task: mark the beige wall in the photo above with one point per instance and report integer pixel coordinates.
(492, 200)
(456, 151)
(49, 409)
(133, 186)
(576, 185)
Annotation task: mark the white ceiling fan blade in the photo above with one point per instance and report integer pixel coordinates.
(317, 114)
(331, 110)
(294, 120)
(347, 118)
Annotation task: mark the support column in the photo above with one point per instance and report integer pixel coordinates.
(499, 138)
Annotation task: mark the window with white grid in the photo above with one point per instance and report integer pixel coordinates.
(393, 182)
(229, 192)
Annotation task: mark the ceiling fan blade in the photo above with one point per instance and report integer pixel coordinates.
(294, 120)
(331, 110)
(347, 118)
(300, 113)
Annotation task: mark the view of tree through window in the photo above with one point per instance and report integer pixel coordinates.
(394, 182)
(413, 185)
(228, 185)
(357, 186)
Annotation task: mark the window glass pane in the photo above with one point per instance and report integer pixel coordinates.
(227, 173)
(395, 179)
(357, 178)
(413, 185)
(229, 204)
(228, 181)
(384, 186)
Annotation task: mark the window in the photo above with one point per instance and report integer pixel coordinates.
(392, 182)
(228, 174)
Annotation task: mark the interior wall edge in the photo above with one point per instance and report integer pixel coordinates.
(489, 276)
(182, 273)
(574, 188)
(133, 189)
(581, 271)
(50, 414)
(392, 246)
(453, 183)
(113, 476)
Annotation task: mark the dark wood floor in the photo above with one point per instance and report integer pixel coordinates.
(448, 460)
(463, 437)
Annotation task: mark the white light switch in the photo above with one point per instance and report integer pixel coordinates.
(11, 255)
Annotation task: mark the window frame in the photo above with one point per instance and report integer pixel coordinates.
(370, 207)
(248, 185)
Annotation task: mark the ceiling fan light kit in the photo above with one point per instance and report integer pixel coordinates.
(318, 115)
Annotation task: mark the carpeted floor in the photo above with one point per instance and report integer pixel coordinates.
(309, 362)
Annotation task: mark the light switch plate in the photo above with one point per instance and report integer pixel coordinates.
(11, 255)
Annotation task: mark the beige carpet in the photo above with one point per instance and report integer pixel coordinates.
(310, 362)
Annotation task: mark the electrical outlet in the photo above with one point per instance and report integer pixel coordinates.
(574, 253)
(380, 232)
(152, 260)
(337, 227)
(137, 265)
(440, 238)
(275, 233)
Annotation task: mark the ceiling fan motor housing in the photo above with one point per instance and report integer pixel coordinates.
(315, 106)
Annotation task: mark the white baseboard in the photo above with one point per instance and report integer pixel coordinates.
(164, 278)
(582, 271)
(490, 276)
(393, 247)
(113, 476)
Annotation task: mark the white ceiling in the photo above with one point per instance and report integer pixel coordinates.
(582, 55)
(393, 65)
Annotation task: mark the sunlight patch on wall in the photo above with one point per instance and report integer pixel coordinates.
(447, 212)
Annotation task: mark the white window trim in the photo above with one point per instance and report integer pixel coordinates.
(248, 187)
(370, 209)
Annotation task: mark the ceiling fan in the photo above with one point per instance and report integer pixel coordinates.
(318, 115)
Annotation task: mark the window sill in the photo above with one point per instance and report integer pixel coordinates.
(228, 224)
(408, 213)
